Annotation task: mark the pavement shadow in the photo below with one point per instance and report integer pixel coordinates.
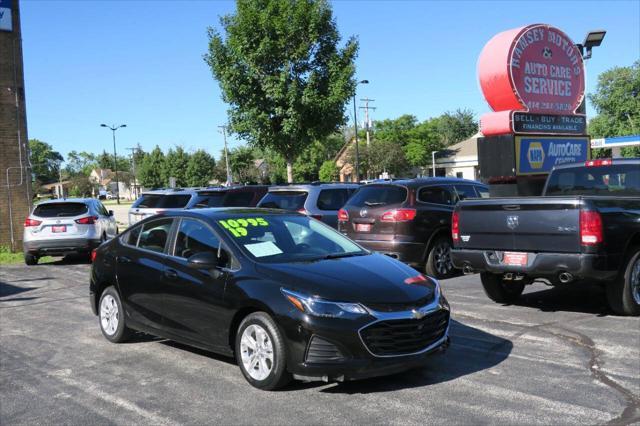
(472, 350)
(198, 351)
(7, 289)
(576, 297)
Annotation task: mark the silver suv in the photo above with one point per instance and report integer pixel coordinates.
(66, 226)
(318, 200)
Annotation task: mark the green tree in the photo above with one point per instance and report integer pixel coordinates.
(80, 186)
(104, 160)
(329, 171)
(200, 168)
(422, 141)
(307, 165)
(457, 126)
(280, 69)
(80, 163)
(45, 162)
(241, 161)
(150, 171)
(176, 163)
(617, 101)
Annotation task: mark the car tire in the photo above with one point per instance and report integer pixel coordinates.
(439, 264)
(111, 316)
(30, 259)
(261, 353)
(499, 290)
(623, 294)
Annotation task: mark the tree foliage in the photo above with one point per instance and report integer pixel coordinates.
(151, 170)
(456, 126)
(241, 162)
(45, 162)
(281, 71)
(200, 168)
(329, 171)
(176, 163)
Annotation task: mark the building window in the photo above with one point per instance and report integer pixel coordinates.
(459, 175)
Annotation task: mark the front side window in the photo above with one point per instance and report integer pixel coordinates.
(155, 234)
(130, 237)
(435, 195)
(194, 237)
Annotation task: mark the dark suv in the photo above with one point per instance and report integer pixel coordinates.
(409, 220)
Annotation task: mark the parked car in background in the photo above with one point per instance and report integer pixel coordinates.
(286, 295)
(66, 226)
(409, 220)
(154, 202)
(318, 200)
(585, 227)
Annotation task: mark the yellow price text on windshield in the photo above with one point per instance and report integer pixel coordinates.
(238, 227)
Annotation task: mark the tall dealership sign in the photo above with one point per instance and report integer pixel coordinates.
(533, 80)
(6, 22)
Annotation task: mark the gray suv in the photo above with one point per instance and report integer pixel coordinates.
(318, 200)
(65, 226)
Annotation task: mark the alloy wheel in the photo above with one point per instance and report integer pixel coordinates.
(109, 314)
(442, 258)
(257, 352)
(635, 281)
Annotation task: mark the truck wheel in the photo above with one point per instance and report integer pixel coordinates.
(439, 264)
(499, 290)
(30, 259)
(624, 294)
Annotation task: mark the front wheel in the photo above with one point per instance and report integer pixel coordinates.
(111, 316)
(624, 294)
(439, 264)
(499, 290)
(260, 352)
(30, 259)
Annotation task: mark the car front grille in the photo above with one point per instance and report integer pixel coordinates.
(398, 307)
(321, 351)
(405, 336)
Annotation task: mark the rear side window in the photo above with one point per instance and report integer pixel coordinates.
(618, 179)
(213, 199)
(482, 191)
(332, 199)
(147, 201)
(238, 199)
(436, 195)
(286, 200)
(378, 195)
(155, 234)
(466, 191)
(60, 209)
(153, 201)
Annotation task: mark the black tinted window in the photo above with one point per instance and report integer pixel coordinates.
(620, 179)
(378, 195)
(175, 201)
(60, 209)
(466, 191)
(332, 199)
(194, 237)
(131, 236)
(287, 200)
(155, 234)
(213, 199)
(483, 192)
(238, 199)
(148, 201)
(435, 195)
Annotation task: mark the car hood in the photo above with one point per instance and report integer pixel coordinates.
(373, 278)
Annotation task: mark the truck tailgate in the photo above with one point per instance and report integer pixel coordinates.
(537, 224)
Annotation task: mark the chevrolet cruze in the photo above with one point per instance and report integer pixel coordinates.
(285, 294)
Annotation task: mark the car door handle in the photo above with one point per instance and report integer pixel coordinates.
(123, 259)
(171, 274)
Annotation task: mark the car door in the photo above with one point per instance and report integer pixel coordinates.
(108, 222)
(437, 203)
(194, 308)
(139, 270)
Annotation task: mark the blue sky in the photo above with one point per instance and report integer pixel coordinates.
(140, 62)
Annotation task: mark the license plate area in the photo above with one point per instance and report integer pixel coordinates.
(363, 227)
(59, 228)
(515, 258)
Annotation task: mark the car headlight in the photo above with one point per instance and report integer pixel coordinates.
(323, 308)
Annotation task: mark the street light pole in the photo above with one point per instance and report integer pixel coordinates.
(133, 164)
(115, 156)
(433, 162)
(355, 128)
(226, 155)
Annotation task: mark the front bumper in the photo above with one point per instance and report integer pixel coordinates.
(357, 360)
(60, 247)
(539, 265)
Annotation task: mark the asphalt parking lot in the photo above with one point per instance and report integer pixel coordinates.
(557, 358)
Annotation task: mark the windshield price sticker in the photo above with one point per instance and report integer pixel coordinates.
(238, 227)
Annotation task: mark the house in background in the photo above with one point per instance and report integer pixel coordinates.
(105, 180)
(345, 168)
(460, 160)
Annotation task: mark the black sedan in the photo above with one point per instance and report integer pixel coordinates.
(285, 294)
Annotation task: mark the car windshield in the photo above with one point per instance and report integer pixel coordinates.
(286, 238)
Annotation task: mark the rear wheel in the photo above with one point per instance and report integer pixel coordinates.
(439, 264)
(111, 316)
(261, 353)
(624, 294)
(30, 259)
(499, 290)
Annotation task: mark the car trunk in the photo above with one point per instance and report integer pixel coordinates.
(522, 224)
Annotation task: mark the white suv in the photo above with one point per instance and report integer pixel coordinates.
(66, 226)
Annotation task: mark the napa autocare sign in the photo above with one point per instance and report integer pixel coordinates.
(536, 155)
(5, 15)
(536, 71)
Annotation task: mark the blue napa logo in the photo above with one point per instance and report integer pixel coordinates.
(535, 155)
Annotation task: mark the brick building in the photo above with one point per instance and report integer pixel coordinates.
(15, 174)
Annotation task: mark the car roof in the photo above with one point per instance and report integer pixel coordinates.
(66, 200)
(428, 180)
(171, 191)
(308, 186)
(217, 212)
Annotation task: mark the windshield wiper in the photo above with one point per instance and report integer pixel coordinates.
(372, 203)
(339, 255)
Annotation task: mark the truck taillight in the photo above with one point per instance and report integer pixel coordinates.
(398, 215)
(343, 215)
(93, 255)
(89, 220)
(599, 162)
(31, 222)
(455, 227)
(590, 227)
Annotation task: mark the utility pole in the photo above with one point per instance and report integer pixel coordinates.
(133, 164)
(366, 125)
(115, 156)
(226, 155)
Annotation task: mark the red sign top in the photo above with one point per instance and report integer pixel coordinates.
(536, 68)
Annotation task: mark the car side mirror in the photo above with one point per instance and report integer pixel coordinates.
(110, 212)
(203, 260)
